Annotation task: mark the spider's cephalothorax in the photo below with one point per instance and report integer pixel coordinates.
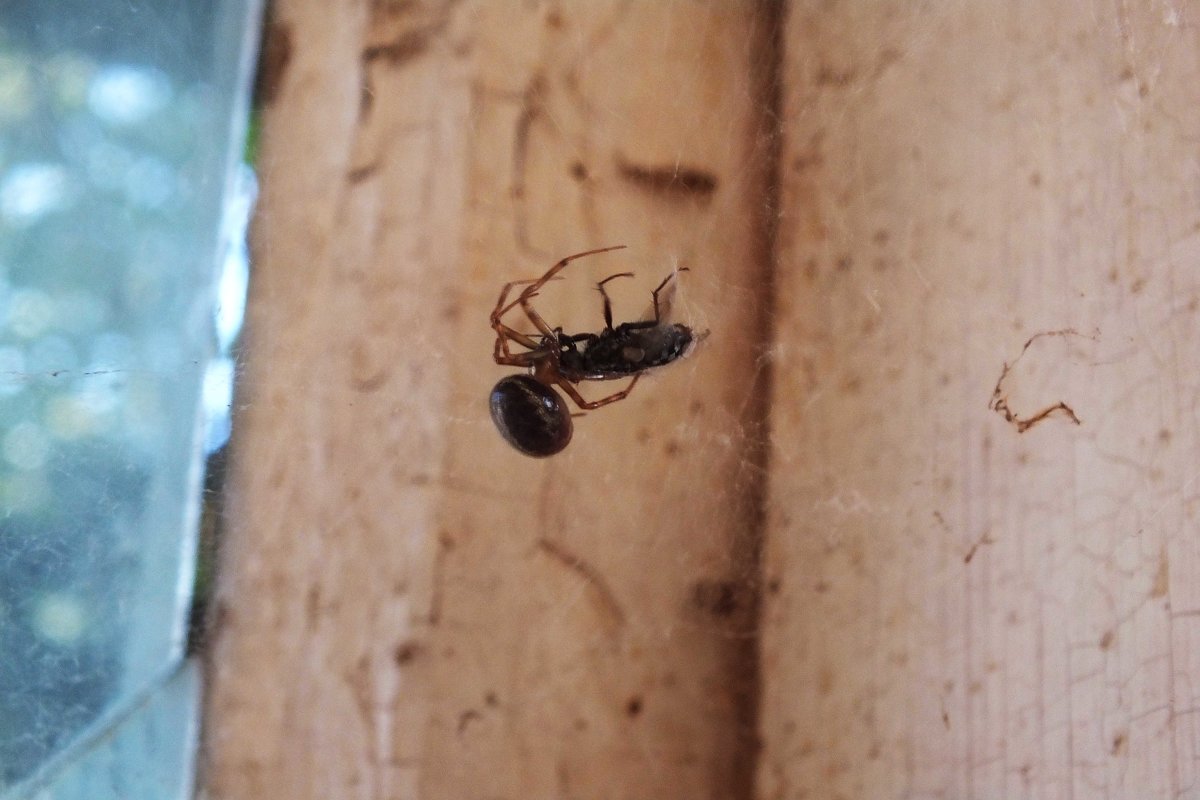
(526, 409)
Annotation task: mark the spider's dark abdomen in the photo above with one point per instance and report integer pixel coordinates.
(530, 416)
(628, 349)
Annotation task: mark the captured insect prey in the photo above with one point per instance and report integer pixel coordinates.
(527, 410)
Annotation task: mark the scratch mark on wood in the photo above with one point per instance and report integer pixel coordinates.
(531, 109)
(999, 401)
(669, 180)
(465, 719)
(1161, 578)
(403, 48)
(606, 600)
(984, 540)
(360, 174)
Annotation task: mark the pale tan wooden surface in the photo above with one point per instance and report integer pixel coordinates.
(409, 608)
(959, 610)
(952, 608)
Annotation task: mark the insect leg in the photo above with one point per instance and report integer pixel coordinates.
(550, 273)
(607, 302)
(665, 281)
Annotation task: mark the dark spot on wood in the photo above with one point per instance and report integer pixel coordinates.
(465, 719)
(1161, 577)
(806, 161)
(405, 652)
(887, 57)
(970, 554)
(312, 605)
(221, 614)
(403, 48)
(828, 76)
(716, 597)
(371, 383)
(634, 706)
(274, 61)
(392, 8)
(366, 98)
(360, 174)
(669, 181)
(826, 679)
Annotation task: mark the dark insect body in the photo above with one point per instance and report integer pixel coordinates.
(529, 414)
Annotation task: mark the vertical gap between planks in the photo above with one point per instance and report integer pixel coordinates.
(765, 60)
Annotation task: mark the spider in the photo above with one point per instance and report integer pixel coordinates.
(529, 414)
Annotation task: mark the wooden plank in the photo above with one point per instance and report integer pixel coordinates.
(957, 609)
(409, 608)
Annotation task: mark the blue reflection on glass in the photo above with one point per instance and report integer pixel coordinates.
(121, 205)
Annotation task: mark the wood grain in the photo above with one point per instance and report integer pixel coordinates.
(409, 608)
(956, 608)
(838, 553)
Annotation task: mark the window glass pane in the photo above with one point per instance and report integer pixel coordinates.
(119, 129)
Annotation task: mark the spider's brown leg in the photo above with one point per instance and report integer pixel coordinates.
(501, 351)
(665, 281)
(500, 310)
(523, 301)
(508, 360)
(550, 273)
(535, 317)
(528, 293)
(503, 332)
(607, 302)
(592, 405)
